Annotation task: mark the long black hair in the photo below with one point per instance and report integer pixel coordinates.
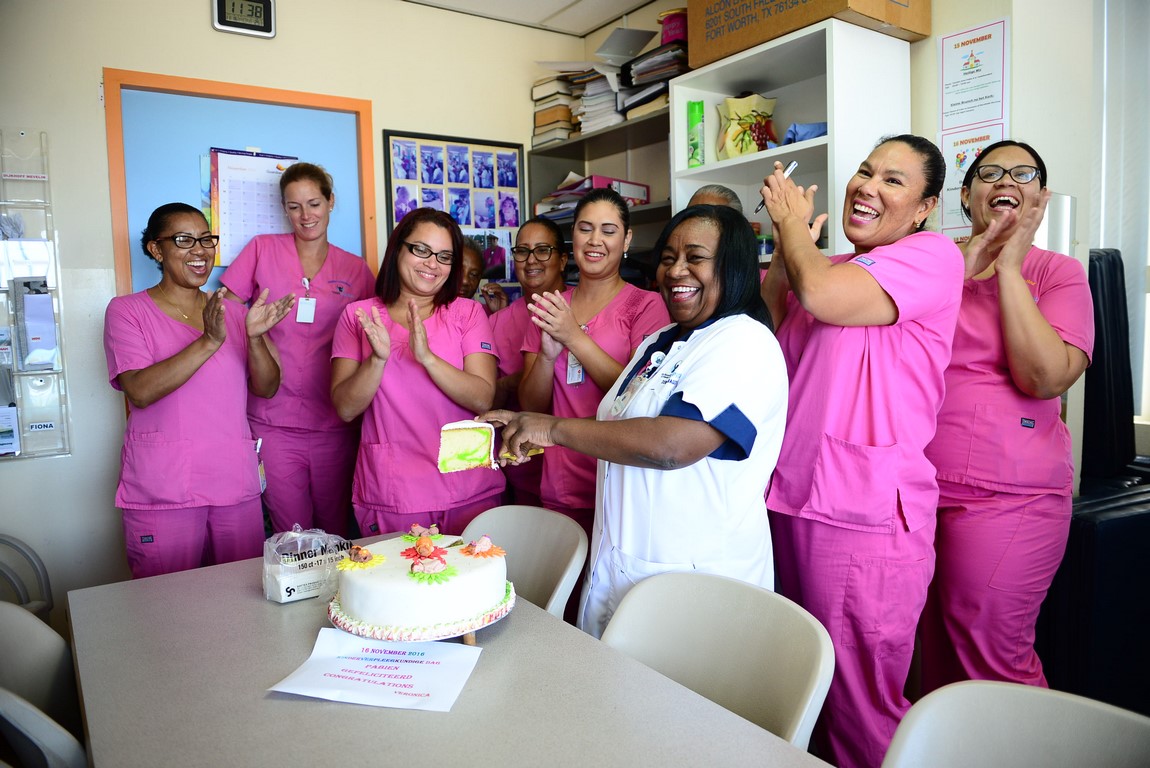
(736, 260)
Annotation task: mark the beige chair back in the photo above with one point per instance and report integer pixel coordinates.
(744, 647)
(1007, 725)
(545, 551)
(35, 738)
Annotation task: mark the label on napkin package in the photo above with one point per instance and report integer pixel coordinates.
(300, 575)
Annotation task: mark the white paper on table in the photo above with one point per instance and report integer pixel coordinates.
(344, 667)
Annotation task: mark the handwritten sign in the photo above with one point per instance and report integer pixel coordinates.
(343, 667)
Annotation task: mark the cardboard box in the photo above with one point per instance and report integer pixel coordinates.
(718, 28)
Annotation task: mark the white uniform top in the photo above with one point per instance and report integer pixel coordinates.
(710, 516)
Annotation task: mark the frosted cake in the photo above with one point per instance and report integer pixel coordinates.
(421, 586)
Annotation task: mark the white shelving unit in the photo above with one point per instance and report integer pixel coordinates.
(635, 150)
(854, 79)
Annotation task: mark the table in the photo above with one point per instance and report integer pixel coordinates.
(174, 670)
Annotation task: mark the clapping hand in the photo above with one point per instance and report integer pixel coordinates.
(262, 317)
(214, 326)
(1019, 241)
(375, 331)
(418, 335)
(552, 314)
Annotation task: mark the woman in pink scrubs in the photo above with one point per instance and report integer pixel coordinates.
(307, 450)
(186, 360)
(539, 264)
(409, 360)
(866, 336)
(1005, 473)
(585, 336)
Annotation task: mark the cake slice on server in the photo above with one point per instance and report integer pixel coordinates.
(466, 445)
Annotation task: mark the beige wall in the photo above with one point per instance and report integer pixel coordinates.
(423, 70)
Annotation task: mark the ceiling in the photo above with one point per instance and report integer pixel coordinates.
(571, 17)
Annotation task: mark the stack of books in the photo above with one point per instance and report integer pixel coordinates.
(553, 118)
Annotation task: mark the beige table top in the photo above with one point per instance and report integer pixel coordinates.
(174, 670)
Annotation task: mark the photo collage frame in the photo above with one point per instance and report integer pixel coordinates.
(479, 183)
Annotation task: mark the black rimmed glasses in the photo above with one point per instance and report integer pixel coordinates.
(542, 252)
(1023, 174)
(421, 251)
(188, 241)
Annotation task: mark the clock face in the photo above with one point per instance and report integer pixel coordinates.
(245, 17)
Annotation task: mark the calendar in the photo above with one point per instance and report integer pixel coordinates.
(245, 198)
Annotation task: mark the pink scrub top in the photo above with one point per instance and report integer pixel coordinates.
(397, 470)
(192, 447)
(863, 399)
(510, 327)
(619, 329)
(990, 434)
(270, 261)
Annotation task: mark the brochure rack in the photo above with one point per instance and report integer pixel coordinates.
(34, 418)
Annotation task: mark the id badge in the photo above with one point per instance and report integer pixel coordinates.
(305, 310)
(574, 370)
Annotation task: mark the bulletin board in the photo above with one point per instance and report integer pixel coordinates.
(161, 130)
(479, 183)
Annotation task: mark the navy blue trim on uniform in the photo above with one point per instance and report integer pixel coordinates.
(737, 428)
(662, 344)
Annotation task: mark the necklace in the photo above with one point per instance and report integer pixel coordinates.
(176, 306)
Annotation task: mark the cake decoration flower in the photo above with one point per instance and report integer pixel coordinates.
(418, 530)
(360, 558)
(483, 548)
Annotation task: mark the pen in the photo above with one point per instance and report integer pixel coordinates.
(786, 175)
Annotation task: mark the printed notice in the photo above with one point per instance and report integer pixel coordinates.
(961, 148)
(973, 66)
(343, 667)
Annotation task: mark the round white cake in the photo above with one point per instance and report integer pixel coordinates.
(421, 586)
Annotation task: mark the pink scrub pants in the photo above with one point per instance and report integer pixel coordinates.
(309, 476)
(169, 540)
(997, 556)
(868, 590)
(373, 523)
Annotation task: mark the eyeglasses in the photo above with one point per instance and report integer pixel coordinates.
(187, 241)
(1023, 174)
(421, 251)
(542, 252)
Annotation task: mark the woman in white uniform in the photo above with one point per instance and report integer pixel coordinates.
(689, 434)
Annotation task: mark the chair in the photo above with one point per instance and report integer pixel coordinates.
(744, 647)
(41, 606)
(37, 666)
(35, 738)
(545, 551)
(1004, 725)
